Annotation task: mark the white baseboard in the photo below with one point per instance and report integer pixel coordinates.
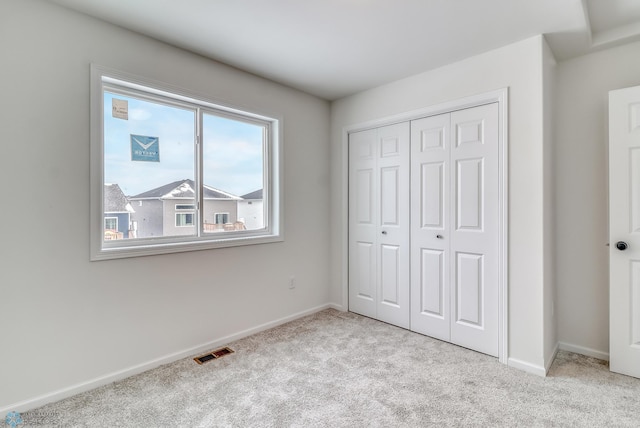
(527, 367)
(584, 351)
(549, 360)
(337, 307)
(72, 390)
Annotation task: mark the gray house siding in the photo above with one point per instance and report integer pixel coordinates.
(220, 206)
(156, 218)
(251, 213)
(149, 223)
(211, 207)
(251, 210)
(169, 217)
(156, 213)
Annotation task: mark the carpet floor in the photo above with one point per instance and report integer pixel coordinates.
(335, 369)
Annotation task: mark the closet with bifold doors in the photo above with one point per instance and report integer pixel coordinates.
(424, 225)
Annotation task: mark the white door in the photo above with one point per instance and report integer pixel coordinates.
(624, 230)
(379, 223)
(430, 216)
(455, 227)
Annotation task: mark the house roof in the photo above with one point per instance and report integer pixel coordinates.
(115, 200)
(183, 189)
(256, 194)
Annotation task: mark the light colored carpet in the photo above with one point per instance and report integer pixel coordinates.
(335, 369)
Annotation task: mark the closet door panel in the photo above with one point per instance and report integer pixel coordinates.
(469, 194)
(475, 232)
(379, 223)
(390, 275)
(431, 283)
(393, 228)
(363, 220)
(469, 286)
(430, 213)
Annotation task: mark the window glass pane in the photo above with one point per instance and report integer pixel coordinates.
(221, 218)
(233, 174)
(184, 219)
(149, 165)
(185, 207)
(111, 223)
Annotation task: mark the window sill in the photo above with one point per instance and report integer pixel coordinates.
(151, 248)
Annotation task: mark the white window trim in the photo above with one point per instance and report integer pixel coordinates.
(191, 207)
(273, 186)
(184, 213)
(110, 218)
(217, 214)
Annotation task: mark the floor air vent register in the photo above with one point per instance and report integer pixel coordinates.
(213, 355)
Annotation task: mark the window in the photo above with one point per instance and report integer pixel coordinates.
(176, 155)
(184, 219)
(111, 223)
(221, 218)
(185, 207)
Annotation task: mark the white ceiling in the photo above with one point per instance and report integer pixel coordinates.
(613, 23)
(333, 48)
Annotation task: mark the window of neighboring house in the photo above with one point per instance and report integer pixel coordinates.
(158, 143)
(111, 223)
(184, 219)
(185, 207)
(221, 218)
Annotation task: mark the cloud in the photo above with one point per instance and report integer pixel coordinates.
(139, 114)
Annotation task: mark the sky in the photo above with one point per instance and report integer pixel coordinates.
(232, 150)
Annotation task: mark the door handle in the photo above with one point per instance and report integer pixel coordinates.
(621, 245)
(439, 236)
(384, 232)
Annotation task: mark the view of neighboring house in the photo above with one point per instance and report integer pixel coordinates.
(251, 210)
(170, 210)
(117, 214)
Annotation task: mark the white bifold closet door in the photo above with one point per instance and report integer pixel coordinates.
(455, 227)
(379, 223)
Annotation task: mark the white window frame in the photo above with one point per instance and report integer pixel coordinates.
(179, 207)
(186, 213)
(101, 78)
(217, 214)
(110, 218)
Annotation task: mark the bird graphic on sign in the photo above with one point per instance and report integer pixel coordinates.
(145, 148)
(143, 145)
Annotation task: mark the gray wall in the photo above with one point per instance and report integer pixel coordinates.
(582, 193)
(154, 308)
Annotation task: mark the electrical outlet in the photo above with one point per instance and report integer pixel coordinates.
(292, 282)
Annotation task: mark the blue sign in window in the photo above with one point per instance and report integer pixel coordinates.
(145, 149)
